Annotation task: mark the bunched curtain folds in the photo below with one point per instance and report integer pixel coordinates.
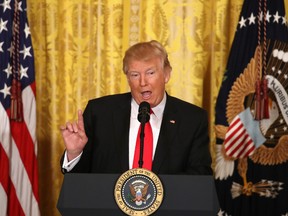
(79, 46)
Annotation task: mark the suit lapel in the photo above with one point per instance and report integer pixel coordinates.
(121, 118)
(167, 132)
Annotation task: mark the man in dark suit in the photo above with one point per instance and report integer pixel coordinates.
(103, 139)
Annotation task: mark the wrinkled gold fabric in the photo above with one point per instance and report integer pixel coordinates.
(79, 46)
(286, 9)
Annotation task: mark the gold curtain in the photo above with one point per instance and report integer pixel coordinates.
(79, 46)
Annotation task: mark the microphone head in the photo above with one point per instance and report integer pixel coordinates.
(144, 112)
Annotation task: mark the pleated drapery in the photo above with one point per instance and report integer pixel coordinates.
(79, 46)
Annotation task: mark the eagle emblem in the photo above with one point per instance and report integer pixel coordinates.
(275, 128)
(138, 191)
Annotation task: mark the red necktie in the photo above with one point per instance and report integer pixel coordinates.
(148, 148)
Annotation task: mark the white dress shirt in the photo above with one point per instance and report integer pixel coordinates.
(155, 121)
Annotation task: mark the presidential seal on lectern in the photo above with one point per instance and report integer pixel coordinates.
(138, 192)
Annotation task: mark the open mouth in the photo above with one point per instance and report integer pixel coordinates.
(146, 95)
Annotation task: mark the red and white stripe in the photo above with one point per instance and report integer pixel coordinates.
(18, 160)
(238, 143)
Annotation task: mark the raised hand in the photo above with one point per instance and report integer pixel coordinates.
(74, 137)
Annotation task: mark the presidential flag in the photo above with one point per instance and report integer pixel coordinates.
(18, 144)
(255, 79)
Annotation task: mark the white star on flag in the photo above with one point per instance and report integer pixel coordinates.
(26, 51)
(6, 5)
(23, 72)
(5, 90)
(27, 30)
(1, 45)
(3, 25)
(252, 19)
(8, 70)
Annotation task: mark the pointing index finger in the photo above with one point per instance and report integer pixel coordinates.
(80, 120)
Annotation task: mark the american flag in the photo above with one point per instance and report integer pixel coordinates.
(18, 144)
(243, 136)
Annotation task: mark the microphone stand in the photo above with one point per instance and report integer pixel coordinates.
(142, 135)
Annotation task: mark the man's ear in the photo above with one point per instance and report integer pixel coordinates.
(167, 75)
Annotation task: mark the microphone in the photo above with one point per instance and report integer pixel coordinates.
(144, 112)
(143, 118)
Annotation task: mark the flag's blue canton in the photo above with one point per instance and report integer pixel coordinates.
(25, 50)
(245, 43)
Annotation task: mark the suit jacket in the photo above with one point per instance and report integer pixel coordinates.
(183, 143)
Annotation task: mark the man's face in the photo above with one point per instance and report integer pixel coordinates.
(147, 81)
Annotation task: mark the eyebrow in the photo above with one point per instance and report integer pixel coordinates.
(150, 68)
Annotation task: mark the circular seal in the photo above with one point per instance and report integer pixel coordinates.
(138, 192)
